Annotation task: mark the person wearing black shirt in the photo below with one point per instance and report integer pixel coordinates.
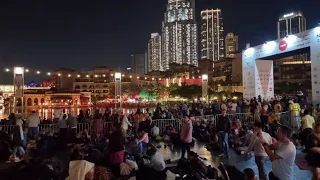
(224, 128)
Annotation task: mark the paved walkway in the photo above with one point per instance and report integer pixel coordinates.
(239, 162)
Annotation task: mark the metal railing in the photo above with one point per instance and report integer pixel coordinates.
(53, 128)
(163, 123)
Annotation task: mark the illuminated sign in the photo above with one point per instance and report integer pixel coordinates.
(283, 45)
(288, 15)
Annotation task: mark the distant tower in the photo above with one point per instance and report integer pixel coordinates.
(179, 34)
(212, 35)
(154, 53)
(291, 23)
(231, 43)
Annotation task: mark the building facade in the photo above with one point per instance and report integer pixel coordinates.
(179, 34)
(139, 63)
(212, 35)
(231, 43)
(154, 53)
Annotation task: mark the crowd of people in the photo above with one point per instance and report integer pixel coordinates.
(130, 148)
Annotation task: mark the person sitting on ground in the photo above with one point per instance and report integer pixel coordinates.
(153, 168)
(85, 170)
(154, 131)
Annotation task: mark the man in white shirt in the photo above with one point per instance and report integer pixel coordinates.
(33, 124)
(153, 168)
(125, 125)
(283, 156)
(260, 154)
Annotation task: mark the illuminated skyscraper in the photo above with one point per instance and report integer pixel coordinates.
(291, 23)
(154, 53)
(212, 35)
(231, 43)
(179, 34)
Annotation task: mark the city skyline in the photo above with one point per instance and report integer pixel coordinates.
(32, 36)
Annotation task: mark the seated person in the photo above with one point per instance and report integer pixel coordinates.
(154, 167)
(154, 131)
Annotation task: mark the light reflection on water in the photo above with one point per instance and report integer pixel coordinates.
(48, 112)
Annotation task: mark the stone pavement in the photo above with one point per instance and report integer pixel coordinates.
(239, 162)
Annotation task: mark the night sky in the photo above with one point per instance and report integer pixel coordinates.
(82, 34)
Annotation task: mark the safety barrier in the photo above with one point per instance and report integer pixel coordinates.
(54, 128)
(245, 118)
(163, 123)
(289, 119)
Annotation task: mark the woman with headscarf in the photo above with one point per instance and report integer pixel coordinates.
(18, 137)
(85, 170)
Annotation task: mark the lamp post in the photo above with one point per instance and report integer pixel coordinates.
(18, 85)
(205, 86)
(117, 85)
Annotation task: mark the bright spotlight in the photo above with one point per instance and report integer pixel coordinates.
(69, 75)
(49, 73)
(130, 76)
(59, 74)
(87, 75)
(268, 46)
(78, 75)
(104, 75)
(7, 69)
(26, 70)
(38, 72)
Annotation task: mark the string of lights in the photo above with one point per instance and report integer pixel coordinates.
(81, 74)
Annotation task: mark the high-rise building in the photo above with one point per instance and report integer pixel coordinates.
(231, 43)
(154, 53)
(179, 34)
(291, 23)
(139, 63)
(285, 69)
(212, 35)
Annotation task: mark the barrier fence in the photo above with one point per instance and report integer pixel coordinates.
(286, 118)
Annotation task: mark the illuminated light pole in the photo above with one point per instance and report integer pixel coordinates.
(205, 86)
(18, 85)
(117, 85)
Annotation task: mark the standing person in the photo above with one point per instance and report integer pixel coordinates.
(307, 126)
(18, 137)
(233, 106)
(264, 114)
(97, 124)
(295, 114)
(63, 126)
(125, 125)
(33, 124)
(282, 154)
(186, 135)
(72, 124)
(260, 154)
(116, 147)
(224, 128)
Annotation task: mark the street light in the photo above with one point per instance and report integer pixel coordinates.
(205, 86)
(117, 85)
(7, 69)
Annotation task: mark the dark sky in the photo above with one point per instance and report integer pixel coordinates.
(81, 34)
